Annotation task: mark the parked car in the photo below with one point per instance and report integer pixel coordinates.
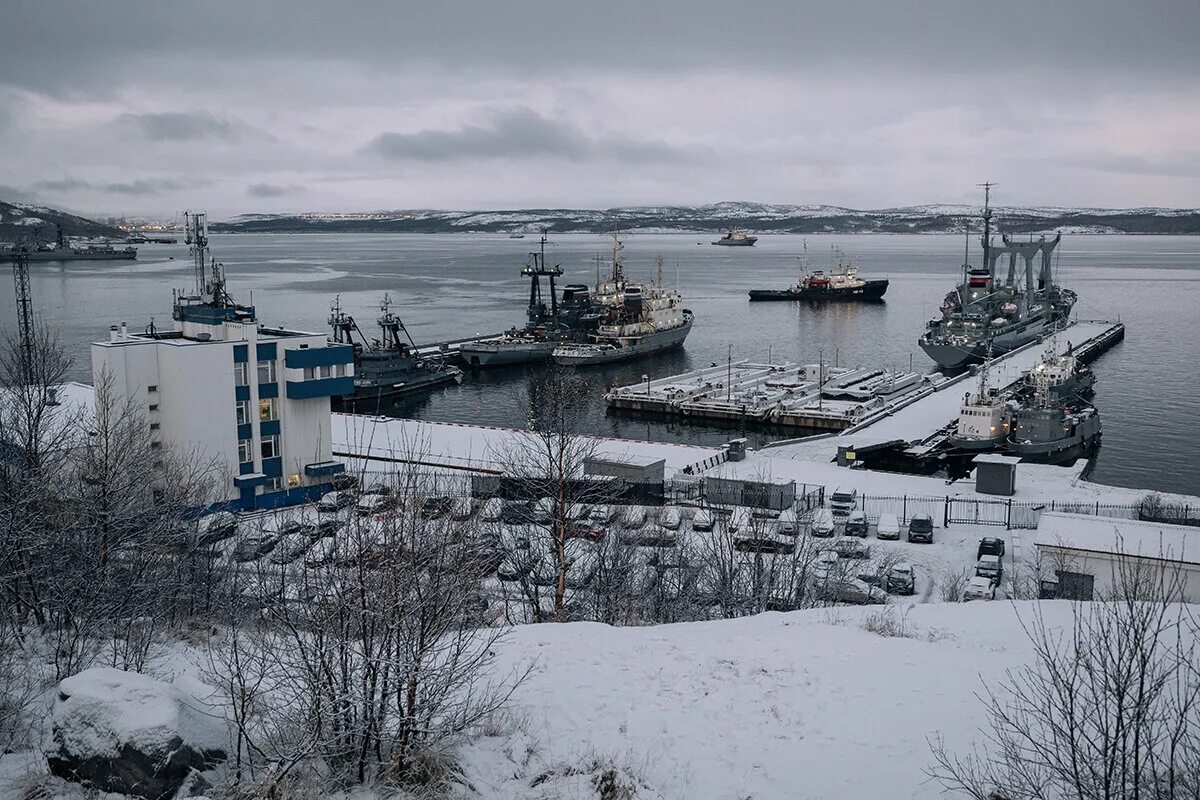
(670, 518)
(461, 508)
(789, 522)
(821, 523)
(585, 529)
(888, 526)
(291, 527)
(327, 527)
(517, 512)
(252, 548)
(843, 501)
(824, 563)
(856, 524)
(920, 529)
(742, 519)
(850, 590)
(345, 483)
(633, 517)
(579, 512)
(290, 547)
(378, 487)
(436, 506)
(333, 501)
(990, 546)
(703, 520)
(604, 513)
(851, 547)
(322, 552)
(543, 510)
(491, 509)
(901, 579)
(369, 504)
(217, 527)
(979, 589)
(990, 567)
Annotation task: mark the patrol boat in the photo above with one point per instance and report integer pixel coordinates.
(1001, 314)
(636, 320)
(736, 238)
(387, 368)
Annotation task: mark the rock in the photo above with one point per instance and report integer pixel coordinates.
(129, 733)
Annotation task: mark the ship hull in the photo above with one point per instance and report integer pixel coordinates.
(748, 242)
(482, 355)
(368, 397)
(1080, 443)
(115, 255)
(870, 290)
(955, 356)
(648, 345)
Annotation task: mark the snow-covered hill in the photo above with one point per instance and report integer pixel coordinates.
(758, 217)
(25, 222)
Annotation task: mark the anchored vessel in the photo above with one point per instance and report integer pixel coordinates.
(841, 283)
(62, 250)
(986, 312)
(1048, 430)
(1066, 378)
(386, 368)
(546, 326)
(983, 420)
(636, 320)
(736, 238)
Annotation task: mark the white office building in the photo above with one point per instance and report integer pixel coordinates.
(252, 401)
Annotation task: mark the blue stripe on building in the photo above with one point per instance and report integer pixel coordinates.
(245, 431)
(272, 467)
(241, 393)
(321, 387)
(268, 390)
(269, 428)
(266, 351)
(241, 353)
(318, 357)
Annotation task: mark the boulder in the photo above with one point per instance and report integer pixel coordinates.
(129, 733)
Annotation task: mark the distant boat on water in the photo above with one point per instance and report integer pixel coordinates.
(736, 238)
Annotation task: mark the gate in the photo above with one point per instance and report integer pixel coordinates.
(963, 511)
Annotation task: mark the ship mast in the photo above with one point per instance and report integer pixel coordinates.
(987, 224)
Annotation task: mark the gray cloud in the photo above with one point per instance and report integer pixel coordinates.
(181, 126)
(519, 133)
(273, 190)
(149, 186)
(62, 185)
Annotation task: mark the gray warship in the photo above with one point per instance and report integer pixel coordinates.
(386, 368)
(636, 320)
(1045, 429)
(547, 326)
(62, 250)
(986, 312)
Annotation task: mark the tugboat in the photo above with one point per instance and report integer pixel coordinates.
(842, 283)
(736, 238)
(984, 312)
(1047, 430)
(1066, 379)
(546, 327)
(389, 368)
(983, 422)
(636, 320)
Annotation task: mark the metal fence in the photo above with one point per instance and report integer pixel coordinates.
(1016, 514)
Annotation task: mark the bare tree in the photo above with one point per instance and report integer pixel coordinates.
(1107, 709)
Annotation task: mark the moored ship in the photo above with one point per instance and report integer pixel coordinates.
(987, 312)
(736, 238)
(386, 368)
(636, 320)
(840, 283)
(1045, 429)
(62, 250)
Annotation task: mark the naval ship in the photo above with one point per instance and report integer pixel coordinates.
(546, 326)
(636, 320)
(985, 311)
(386, 368)
(736, 238)
(1047, 430)
(840, 283)
(62, 250)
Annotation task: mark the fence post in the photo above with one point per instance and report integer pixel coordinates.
(904, 508)
(1097, 508)
(1008, 516)
(946, 512)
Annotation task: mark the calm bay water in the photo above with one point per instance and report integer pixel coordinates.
(450, 286)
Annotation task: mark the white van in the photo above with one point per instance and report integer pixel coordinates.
(703, 521)
(669, 518)
(843, 501)
(821, 523)
(888, 527)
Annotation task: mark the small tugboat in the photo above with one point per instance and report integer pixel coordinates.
(1047, 430)
(841, 283)
(983, 422)
(1066, 379)
(389, 368)
(636, 320)
(736, 238)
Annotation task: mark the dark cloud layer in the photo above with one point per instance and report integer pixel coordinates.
(273, 190)
(182, 126)
(519, 133)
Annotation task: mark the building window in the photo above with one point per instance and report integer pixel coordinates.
(310, 373)
(341, 370)
(155, 445)
(266, 372)
(152, 387)
(325, 373)
(241, 375)
(266, 409)
(154, 406)
(293, 480)
(243, 412)
(270, 446)
(245, 451)
(273, 485)
(154, 426)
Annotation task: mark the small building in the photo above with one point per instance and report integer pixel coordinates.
(1090, 555)
(996, 474)
(252, 400)
(626, 466)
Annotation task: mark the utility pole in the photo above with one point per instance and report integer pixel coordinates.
(728, 373)
(24, 312)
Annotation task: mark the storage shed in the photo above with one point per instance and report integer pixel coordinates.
(996, 474)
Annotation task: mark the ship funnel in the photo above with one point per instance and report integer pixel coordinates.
(113, 335)
(124, 331)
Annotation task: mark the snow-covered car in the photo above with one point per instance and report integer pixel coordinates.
(633, 517)
(517, 512)
(821, 523)
(333, 501)
(742, 520)
(252, 548)
(888, 526)
(461, 508)
(491, 509)
(979, 589)
(851, 547)
(850, 590)
(579, 512)
(856, 524)
(322, 552)
(703, 520)
(290, 547)
(436, 506)
(369, 504)
(920, 529)
(328, 527)
(789, 522)
(217, 527)
(670, 518)
(604, 513)
(823, 564)
(543, 510)
(989, 567)
(901, 579)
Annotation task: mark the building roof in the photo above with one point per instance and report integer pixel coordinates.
(1110, 536)
(996, 458)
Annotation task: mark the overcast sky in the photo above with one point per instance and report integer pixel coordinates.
(264, 105)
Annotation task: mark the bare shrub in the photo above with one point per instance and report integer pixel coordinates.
(953, 583)
(888, 622)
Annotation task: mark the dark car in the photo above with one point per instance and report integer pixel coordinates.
(517, 512)
(345, 483)
(435, 507)
(856, 524)
(217, 527)
(252, 548)
(292, 527)
(920, 529)
(327, 528)
(990, 546)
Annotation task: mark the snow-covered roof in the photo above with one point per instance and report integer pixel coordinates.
(1155, 540)
(996, 458)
